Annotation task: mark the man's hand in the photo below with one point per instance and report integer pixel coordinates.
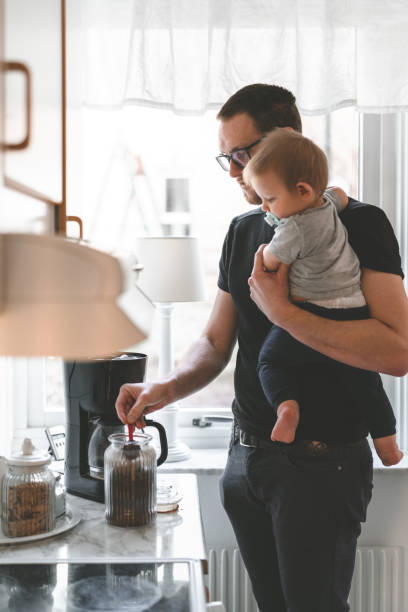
(205, 359)
(269, 290)
(342, 195)
(135, 400)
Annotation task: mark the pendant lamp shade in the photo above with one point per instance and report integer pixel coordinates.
(59, 298)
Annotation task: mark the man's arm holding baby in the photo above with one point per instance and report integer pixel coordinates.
(379, 343)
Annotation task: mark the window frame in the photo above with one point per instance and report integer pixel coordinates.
(382, 180)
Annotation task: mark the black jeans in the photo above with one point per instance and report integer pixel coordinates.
(296, 521)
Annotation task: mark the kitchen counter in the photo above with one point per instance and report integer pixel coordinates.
(174, 535)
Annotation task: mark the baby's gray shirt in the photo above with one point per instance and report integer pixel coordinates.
(315, 242)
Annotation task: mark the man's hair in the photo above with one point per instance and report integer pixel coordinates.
(269, 106)
(293, 158)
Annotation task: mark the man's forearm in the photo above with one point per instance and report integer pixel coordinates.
(198, 367)
(367, 344)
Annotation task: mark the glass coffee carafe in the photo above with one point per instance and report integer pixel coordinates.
(130, 477)
(98, 443)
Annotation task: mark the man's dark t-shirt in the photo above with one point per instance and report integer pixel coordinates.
(327, 413)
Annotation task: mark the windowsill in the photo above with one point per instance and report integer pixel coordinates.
(400, 467)
(203, 462)
(211, 462)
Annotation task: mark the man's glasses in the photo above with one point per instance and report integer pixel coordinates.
(240, 157)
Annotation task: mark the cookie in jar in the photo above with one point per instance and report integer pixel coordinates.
(28, 493)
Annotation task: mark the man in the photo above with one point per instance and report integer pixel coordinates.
(295, 509)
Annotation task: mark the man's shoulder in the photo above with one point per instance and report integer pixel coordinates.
(249, 218)
(360, 214)
(356, 208)
(372, 237)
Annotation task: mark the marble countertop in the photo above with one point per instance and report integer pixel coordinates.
(174, 535)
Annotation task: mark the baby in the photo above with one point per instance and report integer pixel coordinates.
(290, 174)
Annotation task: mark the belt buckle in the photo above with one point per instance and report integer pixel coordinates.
(243, 443)
(317, 448)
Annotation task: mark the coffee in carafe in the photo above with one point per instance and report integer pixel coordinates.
(130, 477)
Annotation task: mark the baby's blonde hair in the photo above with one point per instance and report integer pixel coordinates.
(292, 157)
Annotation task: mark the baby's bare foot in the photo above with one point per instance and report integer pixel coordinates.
(387, 450)
(288, 419)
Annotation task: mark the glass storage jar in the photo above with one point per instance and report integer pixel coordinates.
(28, 493)
(130, 478)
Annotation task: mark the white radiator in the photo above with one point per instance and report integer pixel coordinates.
(376, 587)
(228, 581)
(378, 580)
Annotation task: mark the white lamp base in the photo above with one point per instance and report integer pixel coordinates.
(178, 452)
(167, 416)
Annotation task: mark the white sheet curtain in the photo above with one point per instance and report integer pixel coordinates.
(190, 55)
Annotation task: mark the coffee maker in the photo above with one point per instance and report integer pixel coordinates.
(91, 389)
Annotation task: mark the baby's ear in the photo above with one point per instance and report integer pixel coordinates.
(304, 190)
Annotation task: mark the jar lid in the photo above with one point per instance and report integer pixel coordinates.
(29, 455)
(167, 497)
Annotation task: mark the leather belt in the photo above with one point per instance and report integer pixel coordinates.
(247, 439)
(299, 448)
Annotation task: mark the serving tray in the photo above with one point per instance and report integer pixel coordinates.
(64, 523)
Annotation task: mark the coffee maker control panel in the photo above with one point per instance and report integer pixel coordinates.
(56, 439)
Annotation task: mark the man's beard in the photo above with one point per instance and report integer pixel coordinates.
(249, 194)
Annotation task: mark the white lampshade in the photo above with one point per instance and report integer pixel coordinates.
(172, 270)
(60, 298)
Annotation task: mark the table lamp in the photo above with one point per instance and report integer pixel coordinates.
(172, 272)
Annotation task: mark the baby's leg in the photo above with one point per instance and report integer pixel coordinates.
(280, 357)
(277, 369)
(366, 392)
(365, 389)
(286, 425)
(387, 450)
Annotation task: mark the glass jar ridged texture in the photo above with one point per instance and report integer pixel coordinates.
(28, 501)
(130, 481)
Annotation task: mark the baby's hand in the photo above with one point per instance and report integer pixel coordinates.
(341, 194)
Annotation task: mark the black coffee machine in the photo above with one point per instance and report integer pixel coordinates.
(91, 389)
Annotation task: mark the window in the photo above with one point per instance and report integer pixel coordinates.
(383, 181)
(134, 161)
(367, 155)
